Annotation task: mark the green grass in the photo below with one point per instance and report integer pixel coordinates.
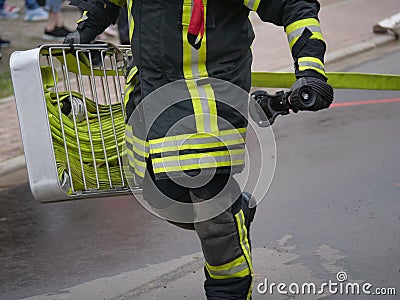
(6, 88)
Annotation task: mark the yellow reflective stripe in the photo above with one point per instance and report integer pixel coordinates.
(83, 18)
(202, 52)
(238, 261)
(128, 90)
(136, 169)
(136, 139)
(187, 53)
(194, 67)
(212, 104)
(312, 68)
(252, 4)
(131, 21)
(137, 165)
(244, 242)
(198, 161)
(130, 84)
(317, 36)
(311, 63)
(138, 150)
(132, 73)
(311, 59)
(301, 24)
(140, 173)
(198, 141)
(296, 29)
(197, 146)
(197, 107)
(132, 158)
(180, 158)
(139, 146)
(187, 67)
(197, 135)
(198, 166)
(238, 268)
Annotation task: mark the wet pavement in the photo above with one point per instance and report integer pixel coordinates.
(63, 244)
(333, 206)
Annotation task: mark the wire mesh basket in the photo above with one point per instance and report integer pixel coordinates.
(71, 114)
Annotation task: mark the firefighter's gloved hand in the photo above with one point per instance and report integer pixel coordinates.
(82, 36)
(310, 93)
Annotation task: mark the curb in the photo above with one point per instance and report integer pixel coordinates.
(12, 165)
(351, 50)
(360, 47)
(7, 99)
(18, 163)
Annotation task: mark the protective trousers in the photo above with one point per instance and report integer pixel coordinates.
(224, 238)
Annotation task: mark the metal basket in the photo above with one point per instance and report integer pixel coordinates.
(71, 114)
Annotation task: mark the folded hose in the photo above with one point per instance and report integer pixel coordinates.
(92, 156)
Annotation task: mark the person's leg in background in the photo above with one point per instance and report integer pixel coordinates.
(6, 15)
(55, 29)
(34, 12)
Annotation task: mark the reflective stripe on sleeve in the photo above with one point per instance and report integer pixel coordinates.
(130, 84)
(237, 268)
(311, 63)
(83, 18)
(131, 21)
(296, 29)
(252, 4)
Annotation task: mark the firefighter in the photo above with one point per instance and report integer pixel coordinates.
(188, 41)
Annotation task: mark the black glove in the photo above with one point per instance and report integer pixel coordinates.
(98, 15)
(310, 93)
(81, 36)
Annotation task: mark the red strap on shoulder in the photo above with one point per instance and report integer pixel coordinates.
(197, 24)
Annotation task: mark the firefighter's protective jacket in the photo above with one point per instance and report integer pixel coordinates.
(191, 40)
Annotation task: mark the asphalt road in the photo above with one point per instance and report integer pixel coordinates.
(334, 206)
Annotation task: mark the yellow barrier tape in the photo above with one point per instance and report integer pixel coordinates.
(338, 80)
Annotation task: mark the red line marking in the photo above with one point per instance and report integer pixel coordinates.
(355, 103)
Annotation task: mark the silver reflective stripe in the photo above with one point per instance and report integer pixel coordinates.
(251, 4)
(180, 144)
(206, 159)
(136, 146)
(311, 64)
(205, 108)
(232, 271)
(195, 63)
(133, 163)
(298, 32)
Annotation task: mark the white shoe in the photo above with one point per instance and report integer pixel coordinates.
(37, 14)
(5, 15)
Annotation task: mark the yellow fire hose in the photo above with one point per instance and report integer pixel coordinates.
(92, 154)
